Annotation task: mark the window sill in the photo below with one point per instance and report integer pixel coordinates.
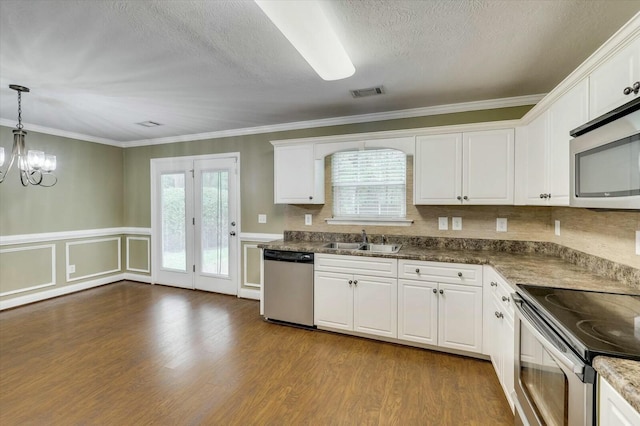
(368, 221)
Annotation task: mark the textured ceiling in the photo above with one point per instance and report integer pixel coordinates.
(97, 67)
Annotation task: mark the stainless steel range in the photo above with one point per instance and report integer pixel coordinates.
(558, 334)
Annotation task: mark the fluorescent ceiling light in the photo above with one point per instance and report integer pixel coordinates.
(305, 25)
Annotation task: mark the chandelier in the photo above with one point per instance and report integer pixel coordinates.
(35, 167)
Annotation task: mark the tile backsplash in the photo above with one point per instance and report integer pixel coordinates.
(610, 234)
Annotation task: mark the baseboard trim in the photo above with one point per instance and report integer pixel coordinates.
(61, 291)
(137, 277)
(247, 293)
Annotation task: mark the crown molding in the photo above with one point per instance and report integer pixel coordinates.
(351, 119)
(297, 125)
(65, 134)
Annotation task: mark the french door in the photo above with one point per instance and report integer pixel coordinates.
(195, 222)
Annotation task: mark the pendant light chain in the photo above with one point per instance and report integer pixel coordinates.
(20, 126)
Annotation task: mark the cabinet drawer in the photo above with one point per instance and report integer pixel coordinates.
(454, 273)
(501, 291)
(376, 266)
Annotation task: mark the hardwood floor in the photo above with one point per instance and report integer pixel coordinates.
(137, 354)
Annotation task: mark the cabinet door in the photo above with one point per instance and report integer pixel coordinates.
(495, 333)
(437, 169)
(297, 177)
(567, 113)
(508, 346)
(607, 82)
(613, 410)
(418, 311)
(375, 305)
(460, 317)
(487, 167)
(536, 149)
(333, 300)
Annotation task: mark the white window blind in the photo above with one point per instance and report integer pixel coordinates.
(369, 184)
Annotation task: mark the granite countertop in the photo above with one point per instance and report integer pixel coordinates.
(516, 267)
(623, 375)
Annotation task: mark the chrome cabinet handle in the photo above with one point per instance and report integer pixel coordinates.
(459, 198)
(499, 314)
(435, 291)
(441, 291)
(460, 274)
(494, 284)
(417, 270)
(350, 282)
(505, 299)
(465, 198)
(310, 197)
(635, 89)
(355, 282)
(232, 233)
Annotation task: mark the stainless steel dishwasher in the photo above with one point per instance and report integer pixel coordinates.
(288, 287)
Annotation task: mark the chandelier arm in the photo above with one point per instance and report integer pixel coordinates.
(24, 178)
(46, 185)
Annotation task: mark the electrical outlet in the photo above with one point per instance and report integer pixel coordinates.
(262, 218)
(72, 269)
(557, 231)
(443, 223)
(638, 243)
(456, 223)
(308, 219)
(501, 224)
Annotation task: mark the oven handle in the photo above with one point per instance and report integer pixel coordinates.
(547, 338)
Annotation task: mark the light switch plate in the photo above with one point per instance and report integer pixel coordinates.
(557, 231)
(262, 218)
(638, 243)
(308, 219)
(443, 223)
(72, 269)
(456, 223)
(501, 224)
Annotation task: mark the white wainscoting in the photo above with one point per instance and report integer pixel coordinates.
(7, 240)
(255, 289)
(148, 268)
(52, 281)
(96, 274)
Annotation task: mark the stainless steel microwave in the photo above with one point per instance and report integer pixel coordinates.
(605, 160)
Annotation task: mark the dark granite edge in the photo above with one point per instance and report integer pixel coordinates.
(620, 375)
(624, 274)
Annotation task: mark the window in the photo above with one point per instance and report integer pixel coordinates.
(369, 184)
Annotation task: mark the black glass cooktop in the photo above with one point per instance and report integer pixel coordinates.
(593, 323)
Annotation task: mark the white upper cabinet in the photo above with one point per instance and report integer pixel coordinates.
(438, 169)
(465, 168)
(543, 145)
(608, 81)
(298, 176)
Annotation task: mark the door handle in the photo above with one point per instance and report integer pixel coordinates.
(232, 233)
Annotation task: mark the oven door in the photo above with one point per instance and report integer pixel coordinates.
(549, 384)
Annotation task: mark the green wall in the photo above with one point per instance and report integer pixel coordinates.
(88, 194)
(256, 163)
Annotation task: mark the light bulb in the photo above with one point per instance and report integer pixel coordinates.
(49, 163)
(36, 159)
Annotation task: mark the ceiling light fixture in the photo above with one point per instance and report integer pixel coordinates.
(35, 167)
(306, 26)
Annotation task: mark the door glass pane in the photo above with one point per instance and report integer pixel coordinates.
(215, 222)
(174, 255)
(543, 381)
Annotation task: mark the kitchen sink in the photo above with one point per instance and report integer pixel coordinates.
(381, 248)
(343, 246)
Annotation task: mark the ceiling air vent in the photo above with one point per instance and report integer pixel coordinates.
(149, 124)
(370, 91)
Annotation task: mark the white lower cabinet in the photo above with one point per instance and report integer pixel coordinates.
(356, 301)
(613, 410)
(440, 305)
(499, 329)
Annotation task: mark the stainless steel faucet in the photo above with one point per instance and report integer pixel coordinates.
(365, 240)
